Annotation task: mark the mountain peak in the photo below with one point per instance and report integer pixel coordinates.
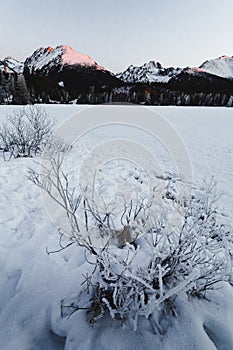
(224, 57)
(221, 66)
(71, 57)
(13, 64)
(149, 72)
(153, 64)
(46, 58)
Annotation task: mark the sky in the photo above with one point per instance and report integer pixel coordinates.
(117, 33)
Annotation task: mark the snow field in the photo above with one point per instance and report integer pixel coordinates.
(33, 283)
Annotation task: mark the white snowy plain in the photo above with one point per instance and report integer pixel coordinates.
(33, 283)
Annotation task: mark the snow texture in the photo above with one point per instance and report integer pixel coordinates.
(33, 283)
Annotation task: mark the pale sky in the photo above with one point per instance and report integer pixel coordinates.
(117, 33)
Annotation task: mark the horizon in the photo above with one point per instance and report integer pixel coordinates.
(177, 35)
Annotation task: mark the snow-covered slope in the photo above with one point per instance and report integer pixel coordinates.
(12, 64)
(45, 59)
(151, 72)
(221, 66)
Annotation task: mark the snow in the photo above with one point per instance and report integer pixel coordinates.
(71, 57)
(151, 72)
(222, 66)
(45, 58)
(33, 283)
(14, 64)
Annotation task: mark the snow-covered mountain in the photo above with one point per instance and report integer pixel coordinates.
(151, 72)
(61, 74)
(45, 59)
(75, 72)
(221, 66)
(12, 64)
(154, 72)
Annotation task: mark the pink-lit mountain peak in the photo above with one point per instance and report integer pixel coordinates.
(221, 66)
(61, 55)
(71, 57)
(223, 57)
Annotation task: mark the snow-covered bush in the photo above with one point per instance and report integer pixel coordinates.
(84, 217)
(187, 255)
(25, 132)
(180, 249)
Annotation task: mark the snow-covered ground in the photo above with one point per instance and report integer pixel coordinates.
(33, 283)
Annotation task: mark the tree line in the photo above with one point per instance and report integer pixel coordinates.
(26, 88)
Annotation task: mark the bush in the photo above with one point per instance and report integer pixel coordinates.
(189, 255)
(26, 132)
(179, 250)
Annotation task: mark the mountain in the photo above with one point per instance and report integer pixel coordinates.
(221, 66)
(197, 81)
(151, 72)
(213, 76)
(12, 64)
(154, 72)
(45, 59)
(75, 72)
(62, 75)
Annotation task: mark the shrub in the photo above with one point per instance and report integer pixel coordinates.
(178, 250)
(25, 132)
(189, 255)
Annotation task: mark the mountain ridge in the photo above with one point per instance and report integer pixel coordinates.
(154, 72)
(45, 59)
(62, 75)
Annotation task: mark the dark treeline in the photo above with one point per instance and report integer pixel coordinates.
(151, 96)
(32, 88)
